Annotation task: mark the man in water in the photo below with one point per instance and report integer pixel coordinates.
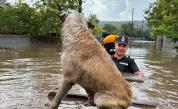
(125, 63)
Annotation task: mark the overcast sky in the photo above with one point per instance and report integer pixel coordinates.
(114, 10)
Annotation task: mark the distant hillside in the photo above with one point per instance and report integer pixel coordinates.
(137, 24)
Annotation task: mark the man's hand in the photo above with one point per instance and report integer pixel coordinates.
(139, 74)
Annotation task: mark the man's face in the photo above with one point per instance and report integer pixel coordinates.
(120, 48)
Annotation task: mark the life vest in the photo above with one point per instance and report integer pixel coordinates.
(109, 43)
(109, 39)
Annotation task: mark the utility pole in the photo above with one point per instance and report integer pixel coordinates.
(132, 15)
(142, 25)
(132, 25)
(142, 29)
(80, 6)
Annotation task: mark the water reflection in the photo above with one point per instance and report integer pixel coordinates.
(26, 76)
(160, 69)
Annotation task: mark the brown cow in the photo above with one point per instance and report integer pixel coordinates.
(85, 62)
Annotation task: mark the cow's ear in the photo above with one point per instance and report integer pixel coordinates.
(90, 25)
(63, 17)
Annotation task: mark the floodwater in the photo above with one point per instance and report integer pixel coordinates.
(27, 75)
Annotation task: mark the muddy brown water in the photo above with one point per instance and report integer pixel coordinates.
(27, 75)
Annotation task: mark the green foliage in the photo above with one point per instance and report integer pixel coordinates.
(126, 29)
(39, 21)
(62, 5)
(15, 20)
(4, 2)
(97, 29)
(163, 17)
(44, 22)
(118, 24)
(111, 29)
(94, 20)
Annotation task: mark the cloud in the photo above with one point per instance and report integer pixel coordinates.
(116, 10)
(104, 9)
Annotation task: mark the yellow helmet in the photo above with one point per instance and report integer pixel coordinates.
(109, 39)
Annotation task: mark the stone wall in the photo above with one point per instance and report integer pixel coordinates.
(14, 41)
(164, 44)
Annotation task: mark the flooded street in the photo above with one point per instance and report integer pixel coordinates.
(27, 75)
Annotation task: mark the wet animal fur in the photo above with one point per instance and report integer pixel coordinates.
(85, 62)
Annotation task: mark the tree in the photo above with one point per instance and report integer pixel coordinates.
(16, 20)
(4, 2)
(23, 14)
(80, 6)
(126, 29)
(163, 18)
(44, 23)
(93, 19)
(111, 29)
(62, 5)
(37, 21)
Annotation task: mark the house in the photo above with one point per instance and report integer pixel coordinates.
(2, 6)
